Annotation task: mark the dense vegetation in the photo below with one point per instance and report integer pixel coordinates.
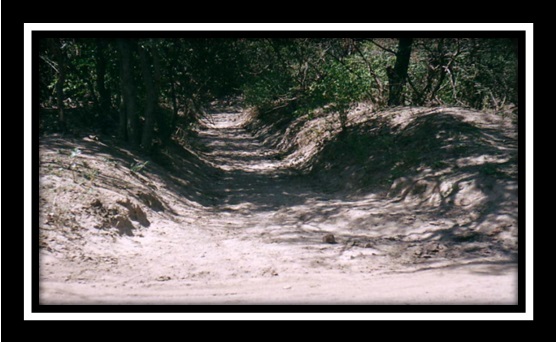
(150, 90)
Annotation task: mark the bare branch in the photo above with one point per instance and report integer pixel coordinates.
(419, 94)
(371, 71)
(382, 47)
(50, 62)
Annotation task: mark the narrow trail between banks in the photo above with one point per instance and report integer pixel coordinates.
(261, 242)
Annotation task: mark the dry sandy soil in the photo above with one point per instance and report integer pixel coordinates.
(230, 222)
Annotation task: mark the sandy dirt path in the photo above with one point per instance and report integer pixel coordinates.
(261, 243)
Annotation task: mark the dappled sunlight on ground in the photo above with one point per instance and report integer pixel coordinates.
(241, 216)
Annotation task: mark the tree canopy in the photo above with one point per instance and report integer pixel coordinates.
(146, 88)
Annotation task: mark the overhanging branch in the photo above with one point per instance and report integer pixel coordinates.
(382, 47)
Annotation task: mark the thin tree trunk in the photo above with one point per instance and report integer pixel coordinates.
(103, 93)
(163, 122)
(122, 124)
(379, 85)
(129, 129)
(398, 75)
(174, 106)
(175, 101)
(60, 83)
(438, 66)
(92, 96)
(148, 128)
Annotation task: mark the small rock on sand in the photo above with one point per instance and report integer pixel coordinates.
(329, 238)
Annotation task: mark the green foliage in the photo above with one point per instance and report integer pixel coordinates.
(341, 87)
(138, 166)
(91, 174)
(299, 75)
(490, 75)
(480, 73)
(290, 77)
(76, 152)
(270, 88)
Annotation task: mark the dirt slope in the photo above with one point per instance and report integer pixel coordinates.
(230, 221)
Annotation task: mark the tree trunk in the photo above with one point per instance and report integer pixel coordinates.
(397, 76)
(129, 122)
(103, 93)
(150, 99)
(174, 106)
(175, 101)
(56, 45)
(122, 124)
(162, 120)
